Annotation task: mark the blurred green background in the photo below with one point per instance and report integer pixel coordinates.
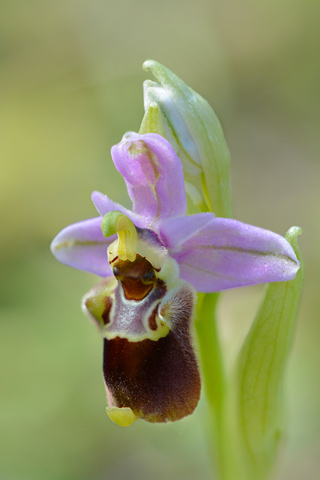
(70, 86)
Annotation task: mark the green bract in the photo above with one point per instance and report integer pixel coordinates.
(193, 129)
(260, 375)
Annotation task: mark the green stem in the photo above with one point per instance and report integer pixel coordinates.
(210, 349)
(213, 373)
(227, 464)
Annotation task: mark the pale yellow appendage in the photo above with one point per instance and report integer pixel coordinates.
(126, 245)
(121, 416)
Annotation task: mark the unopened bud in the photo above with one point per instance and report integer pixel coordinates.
(194, 131)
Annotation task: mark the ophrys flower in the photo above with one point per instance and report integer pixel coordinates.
(154, 265)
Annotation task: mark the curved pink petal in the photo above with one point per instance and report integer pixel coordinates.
(104, 205)
(219, 253)
(82, 246)
(153, 174)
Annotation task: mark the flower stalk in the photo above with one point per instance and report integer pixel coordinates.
(213, 373)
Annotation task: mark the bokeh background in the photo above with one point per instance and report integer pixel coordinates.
(70, 86)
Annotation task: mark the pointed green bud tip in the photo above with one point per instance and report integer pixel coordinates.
(194, 131)
(292, 235)
(152, 120)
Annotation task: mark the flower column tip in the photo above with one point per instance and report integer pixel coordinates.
(125, 247)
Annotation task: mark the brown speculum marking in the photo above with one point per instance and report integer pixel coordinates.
(137, 278)
(152, 319)
(106, 312)
(135, 301)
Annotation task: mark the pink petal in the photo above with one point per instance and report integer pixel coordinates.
(82, 245)
(153, 174)
(104, 205)
(221, 253)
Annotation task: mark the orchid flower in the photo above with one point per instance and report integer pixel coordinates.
(154, 259)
